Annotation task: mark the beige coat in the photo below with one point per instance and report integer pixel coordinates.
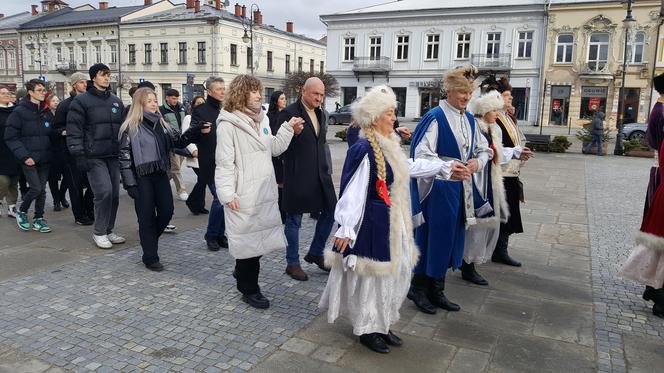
(244, 172)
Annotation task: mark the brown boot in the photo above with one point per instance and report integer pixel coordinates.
(296, 272)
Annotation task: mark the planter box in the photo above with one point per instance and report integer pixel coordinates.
(641, 153)
(594, 148)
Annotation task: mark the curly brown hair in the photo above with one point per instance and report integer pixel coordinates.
(238, 91)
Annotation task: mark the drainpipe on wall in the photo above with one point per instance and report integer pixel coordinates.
(117, 58)
(542, 78)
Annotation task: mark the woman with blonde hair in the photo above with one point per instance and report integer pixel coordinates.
(246, 183)
(145, 146)
(374, 252)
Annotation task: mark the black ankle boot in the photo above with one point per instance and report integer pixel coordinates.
(500, 254)
(437, 296)
(418, 293)
(374, 342)
(469, 273)
(658, 310)
(655, 295)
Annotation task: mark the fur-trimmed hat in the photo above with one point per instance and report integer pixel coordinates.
(491, 84)
(460, 79)
(658, 82)
(373, 104)
(488, 102)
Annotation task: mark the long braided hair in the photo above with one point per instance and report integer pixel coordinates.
(381, 169)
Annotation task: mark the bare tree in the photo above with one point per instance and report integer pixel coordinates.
(296, 80)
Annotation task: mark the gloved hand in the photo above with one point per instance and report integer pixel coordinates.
(132, 191)
(82, 164)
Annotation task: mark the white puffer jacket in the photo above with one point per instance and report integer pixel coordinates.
(190, 161)
(244, 171)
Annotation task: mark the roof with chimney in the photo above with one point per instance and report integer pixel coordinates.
(182, 13)
(408, 5)
(15, 20)
(71, 17)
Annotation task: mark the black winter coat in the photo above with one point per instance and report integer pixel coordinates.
(93, 124)
(29, 131)
(277, 162)
(60, 125)
(307, 166)
(206, 143)
(9, 166)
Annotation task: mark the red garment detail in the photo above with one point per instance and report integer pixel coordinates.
(653, 221)
(495, 156)
(381, 189)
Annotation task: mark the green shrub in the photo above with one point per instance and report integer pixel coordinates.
(559, 144)
(342, 134)
(634, 145)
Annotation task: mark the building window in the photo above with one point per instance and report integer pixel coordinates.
(114, 53)
(98, 53)
(58, 53)
(348, 95)
(269, 61)
(71, 55)
(233, 54)
(84, 55)
(132, 53)
(433, 44)
(250, 57)
(201, 52)
(598, 51)
(288, 70)
(564, 48)
(11, 59)
(182, 53)
(349, 49)
(493, 44)
(593, 100)
(525, 46)
(2, 60)
(635, 49)
(463, 46)
(268, 94)
(299, 64)
(148, 53)
(32, 58)
(163, 51)
(311, 66)
(402, 47)
(322, 67)
(374, 47)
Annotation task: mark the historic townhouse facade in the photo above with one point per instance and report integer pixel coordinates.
(409, 45)
(11, 67)
(584, 61)
(181, 47)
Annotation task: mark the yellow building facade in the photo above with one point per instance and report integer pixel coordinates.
(584, 61)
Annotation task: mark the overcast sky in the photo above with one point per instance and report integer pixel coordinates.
(275, 12)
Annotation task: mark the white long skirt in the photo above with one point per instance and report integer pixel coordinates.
(480, 241)
(371, 303)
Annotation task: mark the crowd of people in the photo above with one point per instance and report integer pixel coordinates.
(403, 221)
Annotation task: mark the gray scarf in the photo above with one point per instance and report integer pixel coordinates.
(148, 148)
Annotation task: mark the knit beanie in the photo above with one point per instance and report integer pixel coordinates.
(94, 69)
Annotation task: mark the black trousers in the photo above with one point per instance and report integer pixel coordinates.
(36, 177)
(246, 272)
(55, 174)
(154, 209)
(196, 200)
(80, 193)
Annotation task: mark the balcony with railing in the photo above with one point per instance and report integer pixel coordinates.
(372, 65)
(595, 70)
(493, 61)
(66, 67)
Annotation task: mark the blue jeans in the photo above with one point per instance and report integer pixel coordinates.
(292, 230)
(597, 139)
(216, 224)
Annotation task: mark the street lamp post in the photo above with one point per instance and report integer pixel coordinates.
(627, 22)
(250, 25)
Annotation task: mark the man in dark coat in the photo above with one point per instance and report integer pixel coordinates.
(597, 131)
(80, 193)
(93, 124)
(308, 184)
(10, 169)
(28, 135)
(206, 115)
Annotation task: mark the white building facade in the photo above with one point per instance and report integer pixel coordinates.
(410, 44)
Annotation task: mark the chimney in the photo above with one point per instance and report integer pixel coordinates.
(238, 10)
(51, 8)
(103, 5)
(190, 4)
(197, 6)
(257, 17)
(147, 2)
(34, 10)
(289, 26)
(244, 11)
(217, 4)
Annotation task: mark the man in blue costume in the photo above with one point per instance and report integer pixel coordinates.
(443, 208)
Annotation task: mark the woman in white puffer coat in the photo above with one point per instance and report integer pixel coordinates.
(246, 183)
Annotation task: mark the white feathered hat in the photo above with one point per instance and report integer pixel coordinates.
(373, 104)
(490, 101)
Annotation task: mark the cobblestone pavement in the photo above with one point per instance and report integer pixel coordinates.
(109, 313)
(625, 326)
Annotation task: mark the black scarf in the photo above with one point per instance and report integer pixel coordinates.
(148, 146)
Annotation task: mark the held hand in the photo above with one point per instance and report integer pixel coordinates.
(341, 244)
(297, 123)
(29, 162)
(526, 154)
(473, 166)
(404, 132)
(206, 130)
(195, 153)
(459, 172)
(234, 205)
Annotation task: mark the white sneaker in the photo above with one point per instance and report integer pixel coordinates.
(170, 229)
(114, 238)
(102, 242)
(11, 211)
(183, 196)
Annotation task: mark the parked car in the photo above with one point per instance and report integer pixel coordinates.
(634, 131)
(342, 115)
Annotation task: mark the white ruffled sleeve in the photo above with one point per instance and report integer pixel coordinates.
(350, 206)
(429, 167)
(511, 153)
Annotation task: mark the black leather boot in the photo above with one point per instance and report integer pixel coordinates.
(418, 293)
(655, 295)
(437, 296)
(658, 310)
(374, 342)
(391, 339)
(469, 273)
(500, 254)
